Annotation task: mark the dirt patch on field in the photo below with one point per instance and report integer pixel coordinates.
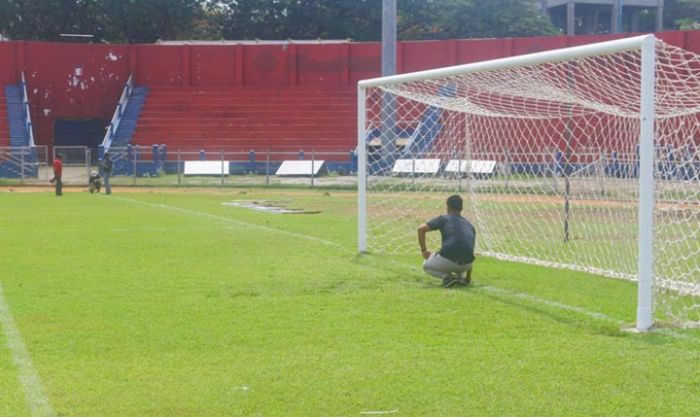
(183, 190)
(34, 189)
(556, 200)
(241, 192)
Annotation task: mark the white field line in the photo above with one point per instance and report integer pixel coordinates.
(536, 300)
(234, 221)
(561, 306)
(555, 304)
(581, 311)
(494, 290)
(33, 391)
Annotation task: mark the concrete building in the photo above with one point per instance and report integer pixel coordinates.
(577, 17)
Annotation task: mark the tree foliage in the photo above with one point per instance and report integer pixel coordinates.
(149, 20)
(678, 15)
(682, 14)
(298, 19)
(47, 19)
(441, 19)
(106, 20)
(361, 19)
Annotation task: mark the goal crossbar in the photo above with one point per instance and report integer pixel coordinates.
(536, 58)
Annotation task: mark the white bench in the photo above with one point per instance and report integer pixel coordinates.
(206, 167)
(300, 168)
(456, 166)
(416, 166)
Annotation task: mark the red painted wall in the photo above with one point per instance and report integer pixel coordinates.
(77, 81)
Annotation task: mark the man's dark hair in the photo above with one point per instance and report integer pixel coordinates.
(59, 157)
(454, 202)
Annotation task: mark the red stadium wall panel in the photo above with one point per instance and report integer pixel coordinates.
(266, 65)
(467, 51)
(364, 61)
(159, 65)
(522, 46)
(419, 56)
(212, 66)
(84, 81)
(72, 81)
(320, 65)
(9, 73)
(675, 38)
(692, 40)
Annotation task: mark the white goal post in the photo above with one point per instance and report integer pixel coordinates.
(593, 144)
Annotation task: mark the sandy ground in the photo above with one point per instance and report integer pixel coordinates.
(228, 191)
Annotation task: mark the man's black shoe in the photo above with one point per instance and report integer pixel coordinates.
(449, 281)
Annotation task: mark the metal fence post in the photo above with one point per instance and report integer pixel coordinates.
(555, 173)
(134, 157)
(507, 170)
(267, 169)
(21, 165)
(413, 170)
(88, 163)
(601, 172)
(313, 170)
(459, 173)
(178, 167)
(222, 167)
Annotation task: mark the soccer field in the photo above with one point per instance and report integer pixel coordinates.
(167, 303)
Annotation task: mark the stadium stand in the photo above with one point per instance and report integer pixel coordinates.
(127, 125)
(16, 116)
(289, 118)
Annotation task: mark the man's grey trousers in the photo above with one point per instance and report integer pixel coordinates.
(440, 267)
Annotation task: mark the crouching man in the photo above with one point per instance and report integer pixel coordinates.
(95, 182)
(453, 263)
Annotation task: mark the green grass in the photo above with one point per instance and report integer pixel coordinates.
(170, 304)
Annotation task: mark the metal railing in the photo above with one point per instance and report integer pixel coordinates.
(77, 163)
(28, 117)
(25, 164)
(118, 113)
(161, 166)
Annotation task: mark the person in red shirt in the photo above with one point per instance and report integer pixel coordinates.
(57, 172)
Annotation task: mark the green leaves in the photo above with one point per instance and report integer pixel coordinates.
(47, 19)
(107, 20)
(150, 20)
(360, 20)
(472, 19)
(298, 19)
(682, 14)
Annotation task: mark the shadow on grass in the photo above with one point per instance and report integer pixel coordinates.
(405, 273)
(602, 326)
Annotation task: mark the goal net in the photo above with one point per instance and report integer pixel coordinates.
(564, 159)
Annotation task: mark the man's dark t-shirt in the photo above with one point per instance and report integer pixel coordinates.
(458, 237)
(107, 166)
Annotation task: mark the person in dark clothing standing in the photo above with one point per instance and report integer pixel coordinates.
(57, 173)
(107, 172)
(453, 263)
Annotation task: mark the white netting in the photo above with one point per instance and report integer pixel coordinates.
(546, 157)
